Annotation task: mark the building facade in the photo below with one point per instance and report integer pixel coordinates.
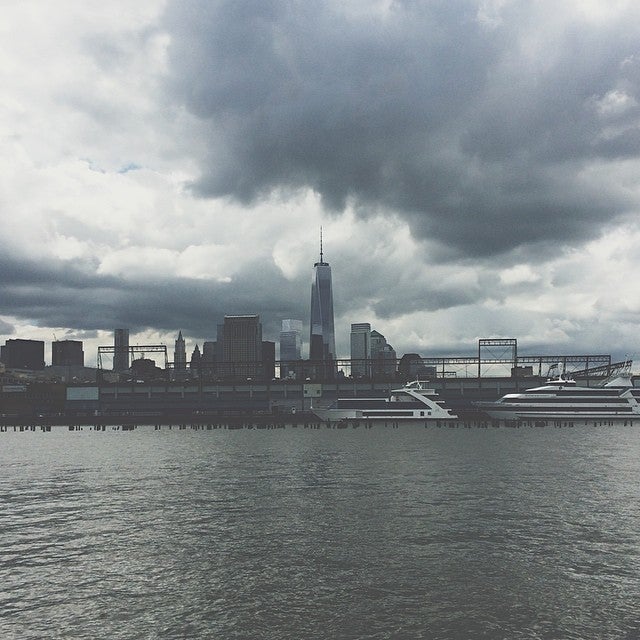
(209, 358)
(383, 356)
(23, 354)
(67, 353)
(180, 354)
(361, 349)
(290, 346)
(120, 350)
(268, 369)
(195, 363)
(385, 364)
(241, 346)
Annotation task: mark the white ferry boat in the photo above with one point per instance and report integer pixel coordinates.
(413, 403)
(561, 400)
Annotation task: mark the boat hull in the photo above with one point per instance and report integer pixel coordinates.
(568, 416)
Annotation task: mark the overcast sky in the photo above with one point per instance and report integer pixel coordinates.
(475, 166)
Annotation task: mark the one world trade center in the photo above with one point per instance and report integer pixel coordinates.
(322, 342)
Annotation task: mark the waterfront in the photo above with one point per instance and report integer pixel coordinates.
(316, 533)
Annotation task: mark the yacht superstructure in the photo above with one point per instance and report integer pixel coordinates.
(561, 399)
(413, 403)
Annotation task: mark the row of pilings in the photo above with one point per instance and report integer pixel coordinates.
(265, 421)
(249, 423)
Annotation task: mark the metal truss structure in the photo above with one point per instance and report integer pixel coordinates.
(497, 357)
(133, 351)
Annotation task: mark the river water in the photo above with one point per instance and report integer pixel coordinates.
(316, 533)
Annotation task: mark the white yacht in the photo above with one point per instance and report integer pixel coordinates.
(561, 400)
(413, 403)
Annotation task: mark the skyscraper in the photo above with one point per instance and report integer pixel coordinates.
(383, 355)
(180, 354)
(23, 354)
(120, 349)
(67, 353)
(322, 342)
(241, 346)
(209, 359)
(360, 349)
(195, 364)
(378, 342)
(290, 346)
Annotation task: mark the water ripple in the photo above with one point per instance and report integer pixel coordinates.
(320, 534)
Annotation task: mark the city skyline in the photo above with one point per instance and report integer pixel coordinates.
(473, 166)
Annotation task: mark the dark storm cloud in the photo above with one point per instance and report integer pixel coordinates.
(477, 135)
(389, 292)
(68, 294)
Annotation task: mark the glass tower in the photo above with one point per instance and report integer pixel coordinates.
(322, 342)
(290, 346)
(360, 349)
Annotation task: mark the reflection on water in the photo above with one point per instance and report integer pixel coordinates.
(425, 533)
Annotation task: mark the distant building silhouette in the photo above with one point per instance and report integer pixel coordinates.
(386, 362)
(195, 364)
(67, 353)
(360, 349)
(383, 356)
(290, 346)
(219, 341)
(23, 354)
(412, 366)
(180, 354)
(378, 341)
(145, 369)
(241, 346)
(209, 360)
(322, 344)
(268, 359)
(120, 350)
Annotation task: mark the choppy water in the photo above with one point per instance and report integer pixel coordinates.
(425, 533)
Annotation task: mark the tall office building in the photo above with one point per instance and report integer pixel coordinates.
(383, 355)
(209, 358)
(180, 354)
(241, 346)
(120, 350)
(195, 364)
(67, 353)
(361, 349)
(386, 362)
(268, 357)
(219, 342)
(378, 342)
(322, 342)
(290, 346)
(23, 354)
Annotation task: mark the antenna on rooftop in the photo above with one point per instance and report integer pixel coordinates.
(321, 260)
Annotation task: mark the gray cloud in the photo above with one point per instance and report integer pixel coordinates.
(66, 294)
(424, 111)
(6, 328)
(497, 142)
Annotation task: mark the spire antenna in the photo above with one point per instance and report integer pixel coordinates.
(321, 260)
